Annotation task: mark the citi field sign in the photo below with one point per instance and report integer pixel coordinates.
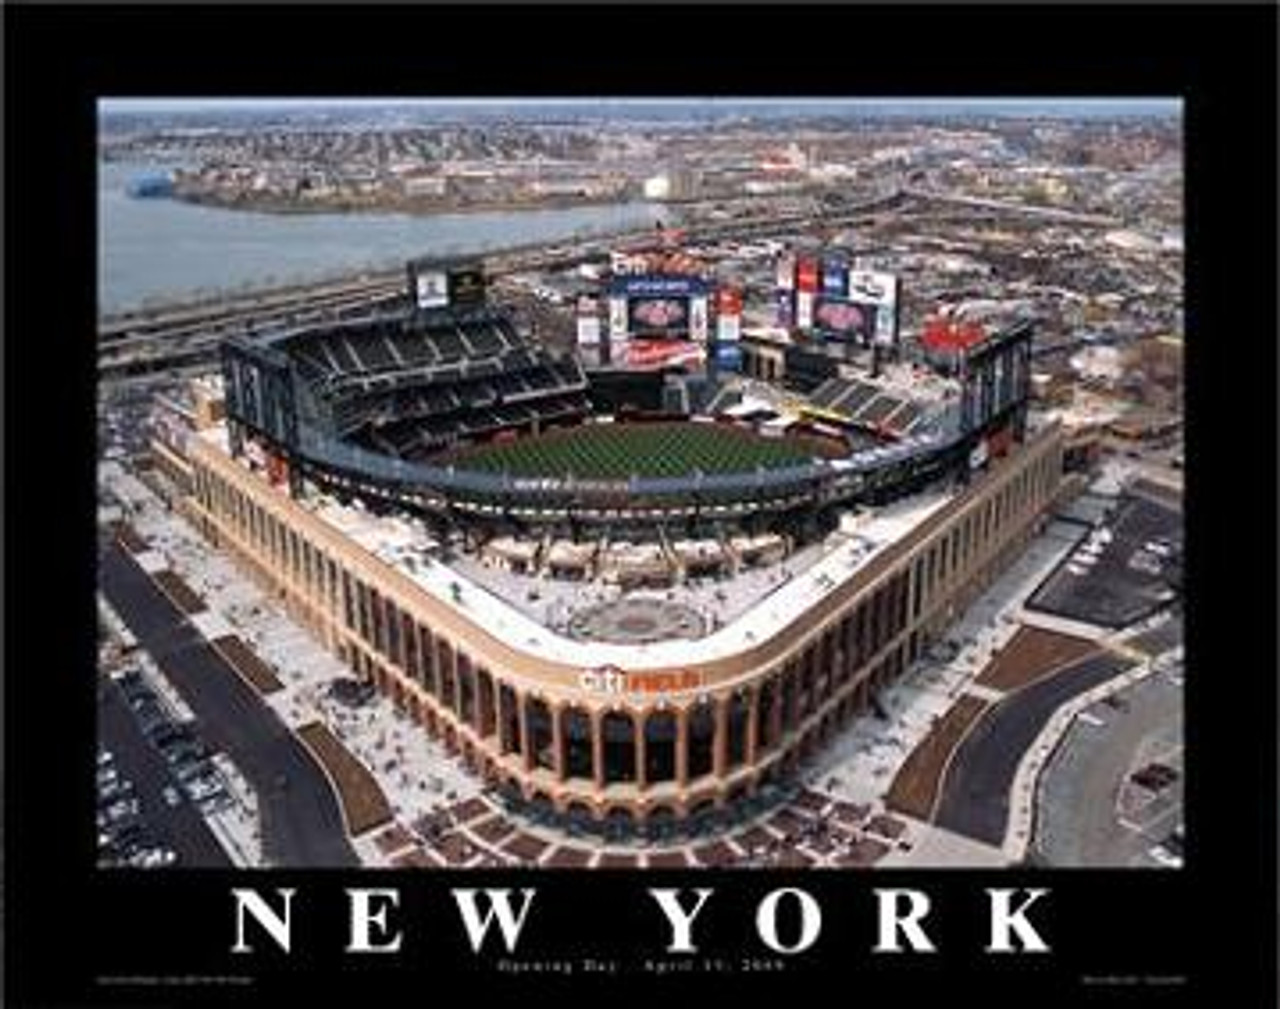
(616, 681)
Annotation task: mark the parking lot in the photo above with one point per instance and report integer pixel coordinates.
(1098, 803)
(146, 818)
(1126, 569)
(177, 741)
(300, 822)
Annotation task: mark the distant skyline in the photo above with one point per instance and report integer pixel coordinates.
(978, 105)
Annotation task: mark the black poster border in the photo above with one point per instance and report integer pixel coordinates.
(76, 936)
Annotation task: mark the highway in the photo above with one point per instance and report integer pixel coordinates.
(1009, 206)
(301, 823)
(142, 342)
(145, 341)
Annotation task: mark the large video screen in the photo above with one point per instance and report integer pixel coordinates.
(659, 316)
(837, 319)
(431, 288)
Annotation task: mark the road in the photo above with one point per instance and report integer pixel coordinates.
(1011, 206)
(301, 823)
(180, 827)
(975, 792)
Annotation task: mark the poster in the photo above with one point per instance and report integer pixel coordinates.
(277, 935)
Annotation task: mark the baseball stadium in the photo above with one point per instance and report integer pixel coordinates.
(624, 592)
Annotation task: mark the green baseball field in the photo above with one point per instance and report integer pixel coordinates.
(618, 451)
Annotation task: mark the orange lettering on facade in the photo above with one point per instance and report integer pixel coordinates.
(611, 680)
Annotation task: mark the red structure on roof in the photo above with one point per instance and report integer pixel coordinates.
(946, 334)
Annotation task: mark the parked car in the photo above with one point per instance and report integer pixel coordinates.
(150, 718)
(191, 769)
(114, 792)
(185, 751)
(202, 789)
(167, 734)
(135, 690)
(122, 808)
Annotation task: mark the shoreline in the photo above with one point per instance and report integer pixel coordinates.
(410, 208)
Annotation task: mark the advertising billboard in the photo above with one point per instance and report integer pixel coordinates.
(784, 310)
(588, 321)
(804, 309)
(807, 275)
(626, 263)
(617, 319)
(835, 278)
(698, 319)
(659, 353)
(872, 288)
(729, 328)
(880, 291)
(588, 330)
(729, 357)
(729, 301)
(466, 286)
(655, 286)
(786, 273)
(431, 288)
(729, 314)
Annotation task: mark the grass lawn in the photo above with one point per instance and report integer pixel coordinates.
(618, 451)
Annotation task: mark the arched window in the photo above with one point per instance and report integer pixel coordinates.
(538, 718)
(764, 716)
(508, 720)
(488, 718)
(619, 747)
(702, 732)
(660, 747)
(578, 756)
(429, 665)
(445, 673)
(466, 690)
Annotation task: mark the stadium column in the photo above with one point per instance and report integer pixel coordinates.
(526, 742)
(682, 747)
(775, 713)
(557, 740)
(720, 752)
(597, 748)
(638, 720)
(753, 719)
